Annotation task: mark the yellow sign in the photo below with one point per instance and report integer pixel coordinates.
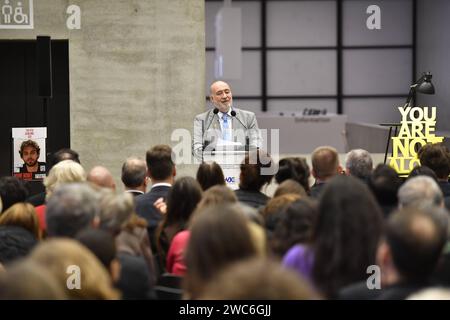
(417, 128)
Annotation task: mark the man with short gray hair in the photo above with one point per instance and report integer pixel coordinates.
(358, 163)
(71, 208)
(420, 191)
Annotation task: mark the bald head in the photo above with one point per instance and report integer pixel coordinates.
(221, 96)
(101, 177)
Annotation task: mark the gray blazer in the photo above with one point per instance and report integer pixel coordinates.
(207, 130)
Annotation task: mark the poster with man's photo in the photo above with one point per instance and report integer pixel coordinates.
(29, 152)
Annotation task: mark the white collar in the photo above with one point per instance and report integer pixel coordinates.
(134, 191)
(161, 184)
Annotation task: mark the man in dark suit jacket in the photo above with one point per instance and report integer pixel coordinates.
(161, 170)
(134, 176)
(408, 255)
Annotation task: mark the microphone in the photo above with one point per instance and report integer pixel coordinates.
(216, 111)
(233, 113)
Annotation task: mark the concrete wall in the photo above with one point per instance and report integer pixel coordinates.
(433, 52)
(136, 73)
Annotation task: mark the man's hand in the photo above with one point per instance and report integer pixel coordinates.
(160, 205)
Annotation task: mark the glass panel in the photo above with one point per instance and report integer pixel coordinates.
(301, 23)
(396, 23)
(311, 72)
(377, 71)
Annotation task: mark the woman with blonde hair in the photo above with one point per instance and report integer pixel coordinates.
(66, 171)
(63, 258)
(22, 215)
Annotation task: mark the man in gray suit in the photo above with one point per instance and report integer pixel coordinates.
(224, 125)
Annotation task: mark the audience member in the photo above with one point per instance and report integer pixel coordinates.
(257, 279)
(384, 184)
(70, 209)
(134, 176)
(358, 163)
(60, 155)
(89, 277)
(181, 203)
(294, 168)
(407, 256)
(420, 190)
(15, 243)
(210, 174)
(325, 165)
(290, 186)
(161, 170)
(101, 177)
(437, 157)
(27, 280)
(219, 236)
(344, 238)
(66, 171)
(272, 211)
(252, 179)
(22, 215)
(294, 227)
(12, 190)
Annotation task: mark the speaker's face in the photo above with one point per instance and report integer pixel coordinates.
(30, 156)
(221, 96)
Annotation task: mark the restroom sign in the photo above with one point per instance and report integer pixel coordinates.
(16, 14)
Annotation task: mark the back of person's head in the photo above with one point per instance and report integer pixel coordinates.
(272, 211)
(437, 158)
(433, 293)
(416, 238)
(358, 163)
(219, 236)
(349, 224)
(71, 208)
(325, 162)
(252, 214)
(134, 173)
(293, 168)
(217, 195)
(66, 258)
(101, 243)
(252, 176)
(21, 215)
(421, 190)
(294, 227)
(15, 242)
(101, 177)
(257, 279)
(115, 210)
(27, 280)
(12, 190)
(210, 174)
(159, 162)
(65, 154)
(182, 200)
(66, 171)
(290, 186)
(384, 184)
(422, 171)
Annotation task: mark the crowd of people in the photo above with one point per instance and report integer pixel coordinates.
(329, 231)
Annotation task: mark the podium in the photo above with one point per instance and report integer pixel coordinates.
(230, 162)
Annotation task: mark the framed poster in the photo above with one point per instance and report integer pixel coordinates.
(29, 161)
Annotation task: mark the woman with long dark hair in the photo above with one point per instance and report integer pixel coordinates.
(344, 238)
